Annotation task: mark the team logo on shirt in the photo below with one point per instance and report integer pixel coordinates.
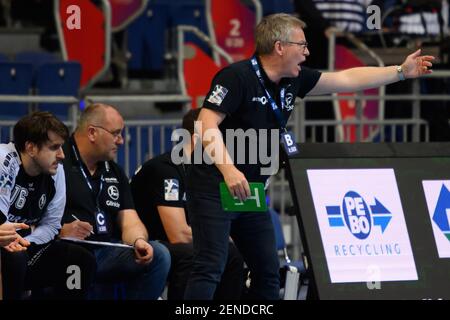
(42, 201)
(5, 183)
(113, 192)
(171, 190)
(289, 102)
(216, 97)
(263, 100)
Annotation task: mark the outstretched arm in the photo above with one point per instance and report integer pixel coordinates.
(358, 79)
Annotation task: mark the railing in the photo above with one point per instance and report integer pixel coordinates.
(147, 138)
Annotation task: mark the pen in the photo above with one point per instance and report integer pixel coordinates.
(75, 217)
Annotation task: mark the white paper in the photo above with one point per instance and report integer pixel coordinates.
(99, 243)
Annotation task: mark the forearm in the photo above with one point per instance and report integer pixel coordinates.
(214, 146)
(133, 232)
(362, 78)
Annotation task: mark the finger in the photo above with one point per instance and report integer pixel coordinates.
(20, 226)
(428, 57)
(247, 189)
(240, 193)
(416, 54)
(232, 190)
(427, 63)
(23, 242)
(10, 238)
(8, 248)
(7, 232)
(243, 192)
(85, 226)
(80, 234)
(15, 246)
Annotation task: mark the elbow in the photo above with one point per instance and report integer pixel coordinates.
(181, 237)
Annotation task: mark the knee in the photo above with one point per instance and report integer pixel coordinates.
(161, 255)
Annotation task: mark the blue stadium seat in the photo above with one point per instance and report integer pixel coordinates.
(15, 79)
(146, 38)
(3, 58)
(36, 59)
(58, 79)
(276, 6)
(147, 35)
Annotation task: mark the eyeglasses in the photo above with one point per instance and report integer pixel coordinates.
(303, 44)
(116, 134)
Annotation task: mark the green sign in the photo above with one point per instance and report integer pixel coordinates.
(256, 201)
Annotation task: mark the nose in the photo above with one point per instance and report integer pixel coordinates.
(60, 154)
(119, 139)
(306, 51)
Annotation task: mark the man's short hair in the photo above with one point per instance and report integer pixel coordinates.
(93, 114)
(35, 127)
(273, 28)
(189, 118)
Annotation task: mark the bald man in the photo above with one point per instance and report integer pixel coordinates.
(100, 207)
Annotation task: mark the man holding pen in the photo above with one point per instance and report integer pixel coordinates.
(100, 207)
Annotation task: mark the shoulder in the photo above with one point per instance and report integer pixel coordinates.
(237, 70)
(9, 167)
(156, 169)
(9, 158)
(114, 169)
(308, 74)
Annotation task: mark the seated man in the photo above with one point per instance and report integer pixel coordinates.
(99, 207)
(33, 192)
(159, 194)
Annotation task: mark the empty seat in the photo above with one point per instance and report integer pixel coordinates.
(58, 79)
(146, 39)
(36, 59)
(277, 6)
(149, 34)
(3, 58)
(15, 79)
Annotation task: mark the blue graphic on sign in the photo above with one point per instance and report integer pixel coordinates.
(358, 216)
(441, 216)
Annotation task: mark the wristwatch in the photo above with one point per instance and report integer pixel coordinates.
(400, 73)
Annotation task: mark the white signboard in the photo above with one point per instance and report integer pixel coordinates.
(362, 225)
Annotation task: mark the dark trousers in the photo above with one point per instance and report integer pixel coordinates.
(48, 265)
(142, 282)
(253, 235)
(182, 254)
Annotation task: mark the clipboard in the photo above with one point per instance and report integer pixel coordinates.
(98, 243)
(255, 203)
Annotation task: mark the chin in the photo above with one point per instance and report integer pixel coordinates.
(51, 171)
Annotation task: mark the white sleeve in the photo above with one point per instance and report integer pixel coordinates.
(8, 173)
(50, 223)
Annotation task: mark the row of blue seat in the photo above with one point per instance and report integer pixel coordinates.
(148, 34)
(55, 78)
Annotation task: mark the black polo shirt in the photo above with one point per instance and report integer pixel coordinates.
(115, 193)
(159, 182)
(237, 92)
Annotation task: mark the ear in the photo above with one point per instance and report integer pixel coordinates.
(31, 148)
(194, 138)
(278, 48)
(91, 134)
